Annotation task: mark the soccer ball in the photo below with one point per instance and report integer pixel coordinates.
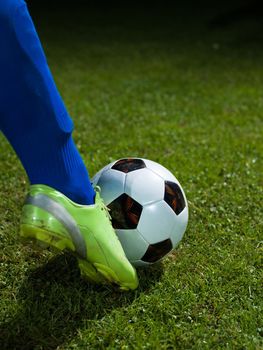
(148, 207)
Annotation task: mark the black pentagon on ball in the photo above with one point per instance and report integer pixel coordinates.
(173, 196)
(125, 212)
(157, 251)
(127, 165)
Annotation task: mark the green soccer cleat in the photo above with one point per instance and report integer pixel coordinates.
(53, 220)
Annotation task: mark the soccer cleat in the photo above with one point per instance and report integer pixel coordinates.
(53, 220)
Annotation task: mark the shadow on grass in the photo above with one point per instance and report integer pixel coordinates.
(54, 302)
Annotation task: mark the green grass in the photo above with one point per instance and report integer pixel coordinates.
(160, 84)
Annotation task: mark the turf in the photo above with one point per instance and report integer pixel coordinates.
(174, 85)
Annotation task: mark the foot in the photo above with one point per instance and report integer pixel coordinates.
(53, 220)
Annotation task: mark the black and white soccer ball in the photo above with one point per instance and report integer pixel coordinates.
(148, 207)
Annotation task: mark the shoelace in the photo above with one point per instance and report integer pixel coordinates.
(103, 206)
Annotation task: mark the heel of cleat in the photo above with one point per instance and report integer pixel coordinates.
(40, 227)
(44, 239)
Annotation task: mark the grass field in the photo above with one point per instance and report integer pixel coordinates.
(164, 84)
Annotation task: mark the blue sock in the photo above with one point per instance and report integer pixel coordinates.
(32, 114)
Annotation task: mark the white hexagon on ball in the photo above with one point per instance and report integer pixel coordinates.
(135, 244)
(160, 170)
(112, 184)
(144, 186)
(156, 222)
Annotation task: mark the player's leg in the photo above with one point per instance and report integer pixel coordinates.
(35, 121)
(32, 113)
